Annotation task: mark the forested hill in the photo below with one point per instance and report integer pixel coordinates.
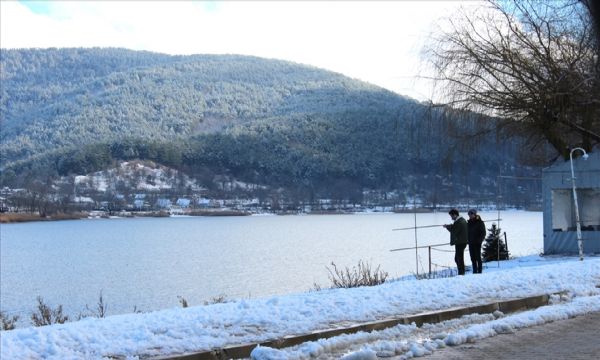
(65, 97)
(68, 111)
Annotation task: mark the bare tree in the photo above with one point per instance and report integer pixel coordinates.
(532, 64)
(593, 7)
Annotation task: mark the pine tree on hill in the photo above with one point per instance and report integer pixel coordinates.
(493, 245)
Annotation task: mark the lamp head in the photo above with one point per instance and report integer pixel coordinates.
(585, 156)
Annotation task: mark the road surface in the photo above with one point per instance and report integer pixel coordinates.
(574, 339)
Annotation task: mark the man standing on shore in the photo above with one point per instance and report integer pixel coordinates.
(476, 236)
(459, 235)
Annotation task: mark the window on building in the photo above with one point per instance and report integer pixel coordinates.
(563, 210)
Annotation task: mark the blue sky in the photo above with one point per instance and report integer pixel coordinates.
(375, 41)
(38, 7)
(44, 7)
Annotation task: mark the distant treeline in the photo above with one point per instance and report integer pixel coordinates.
(317, 164)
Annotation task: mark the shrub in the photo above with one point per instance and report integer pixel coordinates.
(438, 274)
(183, 302)
(8, 323)
(101, 308)
(46, 315)
(221, 299)
(360, 275)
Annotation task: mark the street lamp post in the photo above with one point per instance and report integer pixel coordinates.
(578, 223)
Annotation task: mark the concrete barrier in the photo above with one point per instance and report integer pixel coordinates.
(244, 350)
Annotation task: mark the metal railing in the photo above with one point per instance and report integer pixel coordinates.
(435, 246)
(429, 247)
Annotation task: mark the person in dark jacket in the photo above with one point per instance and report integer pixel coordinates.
(476, 236)
(459, 237)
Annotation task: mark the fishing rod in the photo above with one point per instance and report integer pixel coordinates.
(418, 247)
(430, 226)
(417, 227)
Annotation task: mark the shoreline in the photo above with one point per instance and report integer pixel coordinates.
(14, 218)
(521, 261)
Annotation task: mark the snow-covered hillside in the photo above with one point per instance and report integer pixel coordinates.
(206, 327)
(135, 176)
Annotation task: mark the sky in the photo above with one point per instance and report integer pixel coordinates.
(375, 41)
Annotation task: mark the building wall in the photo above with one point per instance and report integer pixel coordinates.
(560, 236)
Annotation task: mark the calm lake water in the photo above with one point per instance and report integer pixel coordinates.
(148, 262)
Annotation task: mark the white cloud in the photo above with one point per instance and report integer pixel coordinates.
(378, 42)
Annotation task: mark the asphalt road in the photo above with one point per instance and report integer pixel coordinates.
(574, 339)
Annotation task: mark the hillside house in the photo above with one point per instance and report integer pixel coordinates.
(203, 203)
(560, 226)
(183, 203)
(163, 203)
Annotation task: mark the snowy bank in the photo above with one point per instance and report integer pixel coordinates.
(214, 326)
(408, 341)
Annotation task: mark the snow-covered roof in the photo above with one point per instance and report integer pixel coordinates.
(183, 202)
(581, 165)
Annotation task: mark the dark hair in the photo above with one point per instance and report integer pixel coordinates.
(453, 212)
(472, 212)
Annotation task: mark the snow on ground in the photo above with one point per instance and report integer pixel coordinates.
(407, 341)
(243, 321)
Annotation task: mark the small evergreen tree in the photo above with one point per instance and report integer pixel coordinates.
(494, 244)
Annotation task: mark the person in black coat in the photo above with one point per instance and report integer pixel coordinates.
(476, 236)
(459, 238)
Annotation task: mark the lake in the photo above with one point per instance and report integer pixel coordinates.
(146, 263)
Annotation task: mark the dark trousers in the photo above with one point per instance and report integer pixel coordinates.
(459, 257)
(475, 253)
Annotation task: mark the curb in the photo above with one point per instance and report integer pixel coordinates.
(244, 350)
